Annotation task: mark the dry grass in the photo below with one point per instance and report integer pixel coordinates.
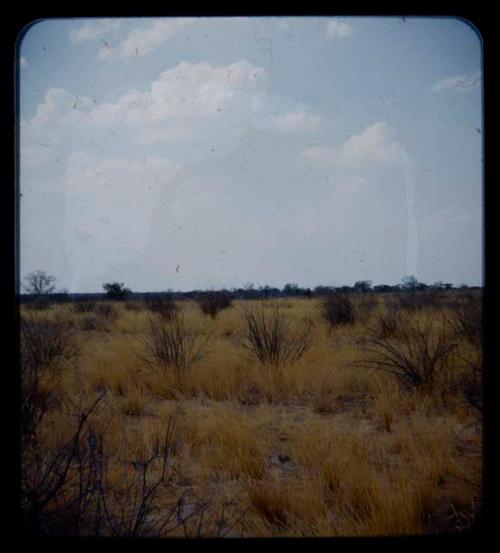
(321, 447)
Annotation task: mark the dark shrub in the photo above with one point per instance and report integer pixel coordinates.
(172, 344)
(116, 290)
(466, 318)
(337, 309)
(212, 302)
(415, 354)
(271, 337)
(42, 342)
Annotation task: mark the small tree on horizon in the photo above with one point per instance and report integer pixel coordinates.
(39, 283)
(116, 290)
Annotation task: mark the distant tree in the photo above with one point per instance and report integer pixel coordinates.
(39, 283)
(443, 285)
(116, 290)
(409, 282)
(290, 289)
(363, 286)
(383, 288)
(323, 290)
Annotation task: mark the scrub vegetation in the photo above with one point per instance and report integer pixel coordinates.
(357, 414)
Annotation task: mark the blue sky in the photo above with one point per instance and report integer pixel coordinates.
(208, 152)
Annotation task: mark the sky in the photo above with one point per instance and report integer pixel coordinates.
(196, 153)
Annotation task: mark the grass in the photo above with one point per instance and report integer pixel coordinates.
(330, 448)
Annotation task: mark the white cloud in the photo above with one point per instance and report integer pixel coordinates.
(374, 145)
(298, 121)
(337, 29)
(458, 83)
(94, 30)
(23, 61)
(143, 40)
(186, 91)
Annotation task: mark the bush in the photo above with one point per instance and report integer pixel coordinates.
(466, 318)
(417, 300)
(172, 344)
(42, 343)
(116, 291)
(337, 309)
(164, 307)
(271, 338)
(212, 302)
(417, 353)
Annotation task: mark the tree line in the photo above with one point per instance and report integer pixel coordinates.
(40, 284)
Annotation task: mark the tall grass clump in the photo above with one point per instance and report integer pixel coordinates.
(172, 344)
(337, 310)
(271, 337)
(42, 343)
(466, 318)
(416, 355)
(211, 303)
(465, 321)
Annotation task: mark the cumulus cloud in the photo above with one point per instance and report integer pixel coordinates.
(374, 145)
(298, 121)
(94, 30)
(458, 83)
(143, 40)
(187, 90)
(337, 29)
(185, 104)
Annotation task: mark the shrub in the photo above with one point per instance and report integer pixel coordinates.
(212, 302)
(59, 486)
(271, 338)
(172, 344)
(466, 318)
(413, 300)
(416, 355)
(337, 309)
(116, 290)
(165, 307)
(42, 343)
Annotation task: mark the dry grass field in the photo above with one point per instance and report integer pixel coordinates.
(262, 420)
